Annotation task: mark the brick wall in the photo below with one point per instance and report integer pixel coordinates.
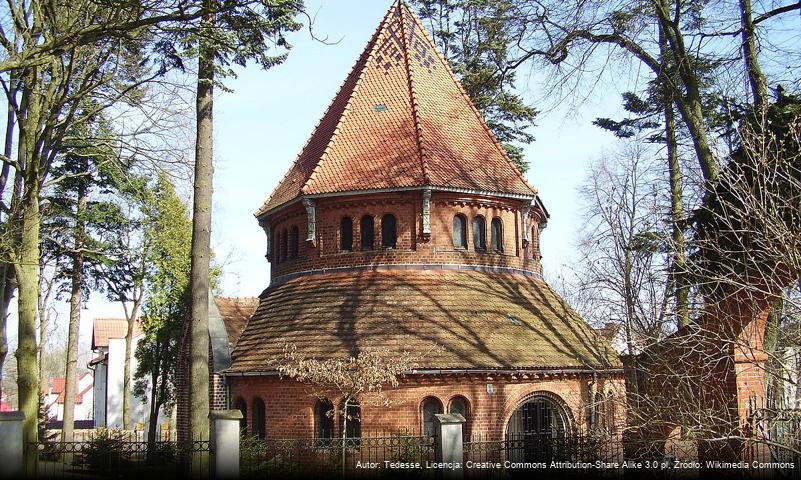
(290, 404)
(411, 246)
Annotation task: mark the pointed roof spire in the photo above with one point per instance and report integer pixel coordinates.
(400, 120)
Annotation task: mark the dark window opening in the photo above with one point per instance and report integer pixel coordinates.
(353, 426)
(430, 407)
(459, 231)
(367, 228)
(324, 413)
(259, 419)
(479, 234)
(458, 405)
(239, 404)
(283, 244)
(346, 234)
(497, 235)
(293, 242)
(389, 232)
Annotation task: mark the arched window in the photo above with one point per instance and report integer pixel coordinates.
(535, 243)
(459, 231)
(389, 232)
(239, 404)
(611, 421)
(346, 234)
(479, 234)
(283, 244)
(277, 247)
(324, 418)
(458, 405)
(367, 228)
(293, 242)
(497, 235)
(430, 407)
(600, 412)
(353, 427)
(259, 419)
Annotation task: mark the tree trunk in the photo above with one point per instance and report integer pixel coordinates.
(346, 404)
(27, 270)
(26, 266)
(756, 79)
(126, 374)
(679, 267)
(6, 271)
(201, 236)
(153, 420)
(687, 95)
(76, 299)
(4, 280)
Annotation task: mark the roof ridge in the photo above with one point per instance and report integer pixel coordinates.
(472, 106)
(368, 52)
(418, 127)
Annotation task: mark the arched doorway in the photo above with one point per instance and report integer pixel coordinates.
(538, 430)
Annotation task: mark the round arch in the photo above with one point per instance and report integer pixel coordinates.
(538, 427)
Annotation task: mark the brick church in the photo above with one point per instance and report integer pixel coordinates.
(403, 224)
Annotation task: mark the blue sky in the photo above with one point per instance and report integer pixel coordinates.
(262, 126)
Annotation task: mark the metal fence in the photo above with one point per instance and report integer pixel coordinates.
(109, 454)
(492, 458)
(365, 457)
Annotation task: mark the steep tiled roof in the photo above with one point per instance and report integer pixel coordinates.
(400, 119)
(235, 313)
(105, 328)
(479, 320)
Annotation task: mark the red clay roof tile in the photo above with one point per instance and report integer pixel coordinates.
(481, 321)
(105, 328)
(400, 119)
(235, 312)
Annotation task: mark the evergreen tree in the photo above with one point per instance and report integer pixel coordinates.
(169, 231)
(76, 232)
(475, 37)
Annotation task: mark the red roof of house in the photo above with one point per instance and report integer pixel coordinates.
(400, 120)
(235, 312)
(57, 385)
(481, 321)
(105, 328)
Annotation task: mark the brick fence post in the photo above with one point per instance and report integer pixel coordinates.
(225, 443)
(12, 445)
(448, 446)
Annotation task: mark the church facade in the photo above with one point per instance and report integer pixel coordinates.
(404, 225)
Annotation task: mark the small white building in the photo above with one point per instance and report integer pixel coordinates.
(54, 397)
(108, 344)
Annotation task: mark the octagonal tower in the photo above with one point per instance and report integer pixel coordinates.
(404, 224)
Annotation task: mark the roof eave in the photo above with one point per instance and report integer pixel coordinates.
(313, 196)
(468, 371)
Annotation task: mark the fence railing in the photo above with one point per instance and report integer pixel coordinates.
(490, 457)
(365, 456)
(114, 455)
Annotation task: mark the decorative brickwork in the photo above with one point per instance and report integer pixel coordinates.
(290, 405)
(402, 143)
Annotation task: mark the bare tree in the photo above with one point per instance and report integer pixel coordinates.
(621, 274)
(354, 380)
